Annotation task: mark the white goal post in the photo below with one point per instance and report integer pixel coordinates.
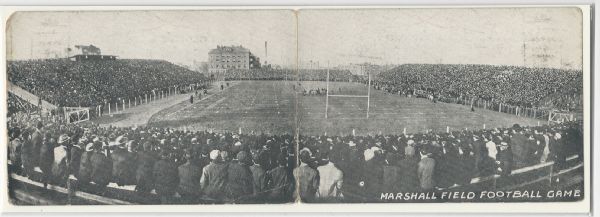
(75, 115)
(368, 96)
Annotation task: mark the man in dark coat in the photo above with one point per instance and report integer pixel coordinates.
(144, 176)
(258, 176)
(166, 177)
(47, 158)
(27, 155)
(84, 176)
(408, 172)
(37, 141)
(519, 147)
(76, 152)
(214, 177)
(101, 168)
(280, 183)
(372, 176)
(240, 183)
(391, 174)
(189, 179)
(124, 165)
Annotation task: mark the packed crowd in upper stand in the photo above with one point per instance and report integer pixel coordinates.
(89, 83)
(286, 74)
(516, 86)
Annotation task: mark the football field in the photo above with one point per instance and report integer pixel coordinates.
(279, 107)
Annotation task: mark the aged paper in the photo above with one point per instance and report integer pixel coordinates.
(368, 109)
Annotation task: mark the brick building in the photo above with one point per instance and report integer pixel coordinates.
(223, 58)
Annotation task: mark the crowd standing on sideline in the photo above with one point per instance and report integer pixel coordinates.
(208, 167)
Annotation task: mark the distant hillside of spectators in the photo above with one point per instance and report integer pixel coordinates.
(286, 74)
(88, 83)
(519, 86)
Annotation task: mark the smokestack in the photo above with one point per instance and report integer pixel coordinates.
(266, 49)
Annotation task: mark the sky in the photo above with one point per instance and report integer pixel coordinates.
(178, 36)
(552, 37)
(535, 37)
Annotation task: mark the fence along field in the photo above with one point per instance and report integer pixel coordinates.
(269, 107)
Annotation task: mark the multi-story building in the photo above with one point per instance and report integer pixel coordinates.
(231, 57)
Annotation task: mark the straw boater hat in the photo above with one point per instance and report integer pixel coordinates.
(63, 138)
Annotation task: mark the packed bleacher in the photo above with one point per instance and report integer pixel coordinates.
(511, 85)
(286, 74)
(88, 83)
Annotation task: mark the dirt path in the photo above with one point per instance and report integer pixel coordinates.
(141, 114)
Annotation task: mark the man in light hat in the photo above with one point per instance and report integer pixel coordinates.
(425, 170)
(101, 167)
(214, 177)
(76, 152)
(60, 163)
(372, 179)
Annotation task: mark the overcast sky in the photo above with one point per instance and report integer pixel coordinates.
(177, 36)
(549, 37)
(469, 36)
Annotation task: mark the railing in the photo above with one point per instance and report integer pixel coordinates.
(126, 195)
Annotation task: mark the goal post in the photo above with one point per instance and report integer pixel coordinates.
(75, 115)
(368, 96)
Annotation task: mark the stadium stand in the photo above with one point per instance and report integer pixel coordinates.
(88, 83)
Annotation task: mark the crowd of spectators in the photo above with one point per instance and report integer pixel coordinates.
(286, 74)
(200, 167)
(512, 85)
(210, 167)
(63, 82)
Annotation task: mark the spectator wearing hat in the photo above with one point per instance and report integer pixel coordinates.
(519, 147)
(258, 175)
(60, 169)
(189, 179)
(84, 176)
(124, 165)
(280, 183)
(101, 167)
(144, 174)
(330, 182)
(240, 183)
(27, 154)
(425, 171)
(37, 139)
(76, 152)
(214, 177)
(14, 154)
(504, 158)
(166, 177)
(352, 163)
(408, 172)
(47, 158)
(372, 173)
(307, 178)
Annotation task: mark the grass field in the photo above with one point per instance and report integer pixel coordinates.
(273, 107)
